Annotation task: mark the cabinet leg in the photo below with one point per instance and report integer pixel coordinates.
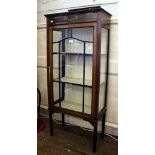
(51, 124)
(103, 126)
(63, 119)
(94, 137)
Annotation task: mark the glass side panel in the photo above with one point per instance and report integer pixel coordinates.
(72, 68)
(104, 45)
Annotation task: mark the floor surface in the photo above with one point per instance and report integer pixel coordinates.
(71, 140)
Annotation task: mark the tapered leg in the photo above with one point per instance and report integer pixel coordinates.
(94, 137)
(63, 118)
(51, 123)
(103, 126)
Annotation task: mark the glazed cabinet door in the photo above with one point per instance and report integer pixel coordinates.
(72, 54)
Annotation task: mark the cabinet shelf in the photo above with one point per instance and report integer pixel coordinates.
(76, 81)
(73, 53)
(74, 106)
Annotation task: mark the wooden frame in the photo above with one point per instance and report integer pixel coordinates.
(97, 24)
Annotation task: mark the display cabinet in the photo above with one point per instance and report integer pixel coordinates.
(77, 63)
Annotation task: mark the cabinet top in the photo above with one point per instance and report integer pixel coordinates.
(80, 11)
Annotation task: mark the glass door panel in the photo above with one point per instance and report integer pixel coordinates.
(72, 68)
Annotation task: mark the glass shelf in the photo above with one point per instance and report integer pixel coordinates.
(74, 106)
(76, 81)
(71, 53)
(74, 53)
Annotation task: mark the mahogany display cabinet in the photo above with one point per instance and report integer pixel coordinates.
(77, 65)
